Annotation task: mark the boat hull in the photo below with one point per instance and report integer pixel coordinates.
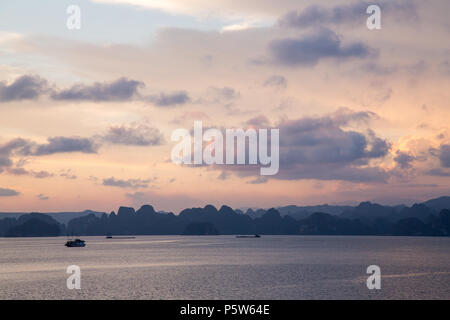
(75, 243)
(248, 237)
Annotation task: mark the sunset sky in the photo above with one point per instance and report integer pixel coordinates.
(86, 115)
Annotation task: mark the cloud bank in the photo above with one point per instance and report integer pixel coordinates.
(310, 49)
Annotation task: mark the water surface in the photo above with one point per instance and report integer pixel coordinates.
(223, 267)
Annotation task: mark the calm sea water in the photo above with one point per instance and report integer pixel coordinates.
(224, 267)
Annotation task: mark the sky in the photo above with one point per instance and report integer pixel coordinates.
(86, 115)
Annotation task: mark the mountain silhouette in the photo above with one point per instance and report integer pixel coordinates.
(438, 203)
(31, 225)
(424, 219)
(200, 229)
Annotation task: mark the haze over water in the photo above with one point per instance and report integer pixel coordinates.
(224, 267)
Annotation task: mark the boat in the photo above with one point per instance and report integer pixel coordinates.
(118, 237)
(254, 236)
(75, 243)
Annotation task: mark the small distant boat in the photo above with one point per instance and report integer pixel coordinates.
(111, 237)
(254, 236)
(75, 243)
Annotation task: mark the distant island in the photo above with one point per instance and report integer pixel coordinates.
(430, 218)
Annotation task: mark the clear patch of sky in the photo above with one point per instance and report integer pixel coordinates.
(100, 23)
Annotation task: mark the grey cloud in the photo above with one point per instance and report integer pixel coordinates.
(259, 122)
(344, 116)
(404, 159)
(258, 180)
(310, 49)
(347, 14)
(23, 88)
(17, 144)
(334, 172)
(438, 172)
(276, 81)
(378, 69)
(18, 171)
(220, 95)
(121, 89)
(70, 177)
(7, 149)
(42, 197)
(134, 135)
(433, 151)
(225, 93)
(130, 183)
(64, 145)
(5, 192)
(321, 171)
(68, 174)
(5, 162)
(23, 147)
(322, 140)
(444, 155)
(169, 99)
(319, 148)
(41, 174)
(378, 147)
(23, 172)
(54, 145)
